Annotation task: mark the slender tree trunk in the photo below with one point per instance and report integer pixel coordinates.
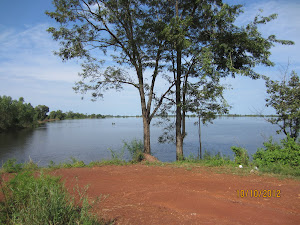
(200, 145)
(146, 126)
(184, 104)
(179, 137)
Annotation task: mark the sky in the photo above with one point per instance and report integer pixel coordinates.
(29, 69)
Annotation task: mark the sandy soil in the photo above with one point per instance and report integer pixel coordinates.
(140, 194)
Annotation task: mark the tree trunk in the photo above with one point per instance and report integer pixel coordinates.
(146, 126)
(179, 137)
(200, 144)
(145, 112)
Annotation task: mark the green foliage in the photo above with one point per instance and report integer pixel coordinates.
(15, 114)
(11, 166)
(108, 162)
(72, 163)
(117, 157)
(136, 149)
(57, 115)
(278, 168)
(42, 200)
(286, 154)
(29, 166)
(216, 160)
(241, 155)
(41, 112)
(52, 165)
(284, 97)
(72, 115)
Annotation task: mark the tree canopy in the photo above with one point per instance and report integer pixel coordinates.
(204, 45)
(284, 97)
(15, 113)
(197, 42)
(129, 31)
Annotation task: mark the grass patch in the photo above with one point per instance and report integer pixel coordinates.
(11, 166)
(72, 163)
(29, 199)
(136, 150)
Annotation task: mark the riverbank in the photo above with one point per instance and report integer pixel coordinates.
(143, 194)
(47, 120)
(179, 193)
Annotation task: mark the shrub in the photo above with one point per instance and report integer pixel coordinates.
(135, 148)
(11, 166)
(240, 155)
(30, 165)
(286, 154)
(216, 160)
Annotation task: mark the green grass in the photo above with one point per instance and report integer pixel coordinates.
(43, 199)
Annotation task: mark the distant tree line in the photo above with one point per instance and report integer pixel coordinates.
(16, 114)
(72, 115)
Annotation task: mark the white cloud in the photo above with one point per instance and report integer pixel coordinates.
(30, 53)
(285, 27)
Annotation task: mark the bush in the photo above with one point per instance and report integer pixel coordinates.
(279, 168)
(11, 166)
(73, 163)
(216, 160)
(286, 154)
(41, 200)
(135, 148)
(240, 155)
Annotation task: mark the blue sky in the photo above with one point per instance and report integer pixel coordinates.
(29, 69)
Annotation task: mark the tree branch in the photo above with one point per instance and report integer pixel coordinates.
(160, 101)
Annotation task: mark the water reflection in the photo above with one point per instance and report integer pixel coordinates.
(15, 143)
(89, 139)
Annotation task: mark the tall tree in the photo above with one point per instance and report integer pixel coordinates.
(129, 28)
(41, 112)
(205, 43)
(284, 97)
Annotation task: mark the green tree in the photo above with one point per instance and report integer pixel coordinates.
(15, 114)
(25, 114)
(284, 97)
(7, 112)
(204, 43)
(131, 29)
(52, 115)
(60, 115)
(41, 112)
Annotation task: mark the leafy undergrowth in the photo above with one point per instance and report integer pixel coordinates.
(279, 158)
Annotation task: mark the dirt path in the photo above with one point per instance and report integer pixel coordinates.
(141, 194)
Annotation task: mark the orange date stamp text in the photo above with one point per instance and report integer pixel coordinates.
(264, 193)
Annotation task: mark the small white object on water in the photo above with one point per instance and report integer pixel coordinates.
(240, 166)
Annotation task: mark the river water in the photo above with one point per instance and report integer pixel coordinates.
(90, 139)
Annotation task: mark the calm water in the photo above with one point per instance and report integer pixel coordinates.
(89, 139)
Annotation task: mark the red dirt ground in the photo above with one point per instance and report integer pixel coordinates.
(141, 194)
